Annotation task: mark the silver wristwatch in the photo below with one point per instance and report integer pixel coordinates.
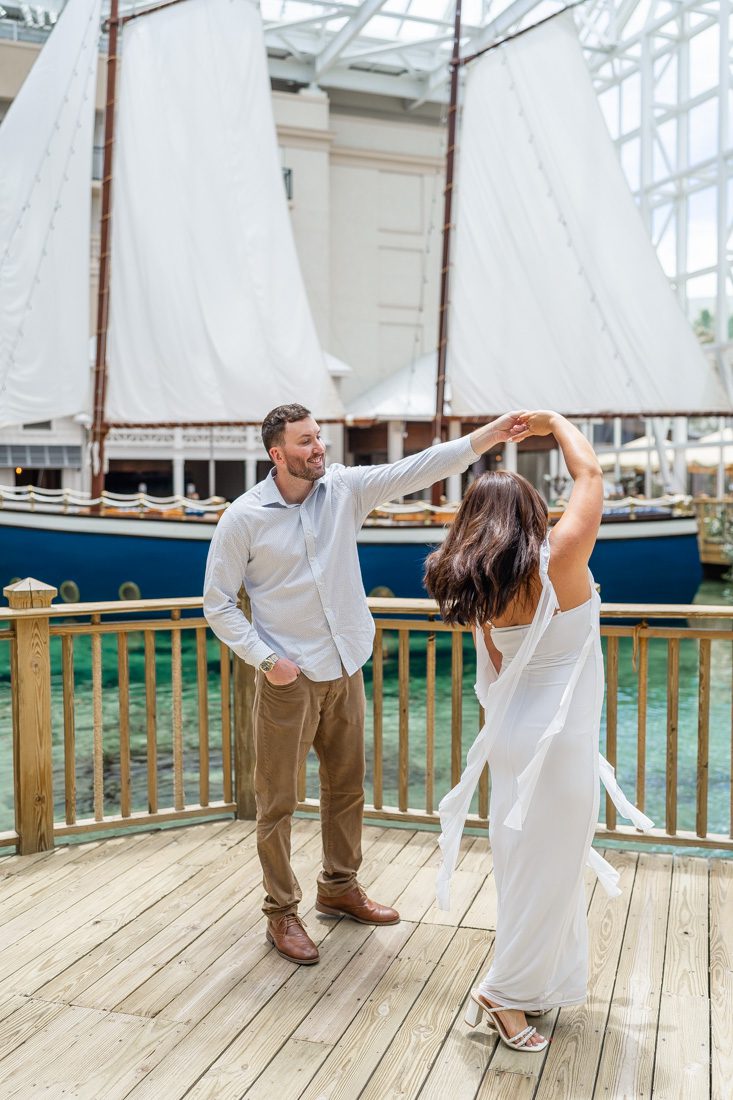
(269, 663)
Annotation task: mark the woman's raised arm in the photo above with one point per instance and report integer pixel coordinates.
(574, 534)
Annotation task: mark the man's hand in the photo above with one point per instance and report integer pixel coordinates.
(283, 672)
(506, 427)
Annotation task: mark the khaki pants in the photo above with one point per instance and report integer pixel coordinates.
(328, 715)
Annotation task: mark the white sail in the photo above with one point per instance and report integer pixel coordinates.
(45, 212)
(209, 319)
(558, 300)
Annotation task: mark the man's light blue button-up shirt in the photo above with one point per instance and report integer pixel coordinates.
(300, 566)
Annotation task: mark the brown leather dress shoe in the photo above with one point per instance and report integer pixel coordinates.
(355, 904)
(289, 938)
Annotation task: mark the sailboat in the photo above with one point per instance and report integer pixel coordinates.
(203, 317)
(557, 301)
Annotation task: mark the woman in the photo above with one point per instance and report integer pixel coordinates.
(531, 600)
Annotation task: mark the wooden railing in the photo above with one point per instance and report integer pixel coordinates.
(129, 714)
(51, 694)
(681, 743)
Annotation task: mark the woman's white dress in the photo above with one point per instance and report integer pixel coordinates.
(540, 739)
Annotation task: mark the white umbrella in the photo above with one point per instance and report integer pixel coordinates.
(709, 457)
(633, 455)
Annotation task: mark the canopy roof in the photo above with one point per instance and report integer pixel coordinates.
(408, 394)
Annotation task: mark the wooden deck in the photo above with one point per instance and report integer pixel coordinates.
(137, 967)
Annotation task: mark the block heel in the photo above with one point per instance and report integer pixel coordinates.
(476, 1008)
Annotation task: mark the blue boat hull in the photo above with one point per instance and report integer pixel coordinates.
(633, 565)
(633, 570)
(101, 563)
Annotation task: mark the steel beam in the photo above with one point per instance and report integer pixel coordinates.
(329, 56)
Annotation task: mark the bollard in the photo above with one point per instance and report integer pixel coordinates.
(31, 693)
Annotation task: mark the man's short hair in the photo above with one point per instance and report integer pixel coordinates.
(273, 426)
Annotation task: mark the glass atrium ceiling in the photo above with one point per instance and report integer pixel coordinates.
(398, 47)
(392, 47)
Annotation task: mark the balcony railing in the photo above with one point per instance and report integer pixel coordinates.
(131, 713)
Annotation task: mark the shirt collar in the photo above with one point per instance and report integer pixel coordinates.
(270, 494)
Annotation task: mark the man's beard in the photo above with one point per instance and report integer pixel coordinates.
(297, 467)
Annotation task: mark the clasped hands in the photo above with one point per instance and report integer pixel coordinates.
(520, 424)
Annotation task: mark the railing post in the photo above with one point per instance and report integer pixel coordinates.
(244, 742)
(31, 688)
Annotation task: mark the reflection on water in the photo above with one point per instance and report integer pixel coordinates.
(711, 592)
(714, 592)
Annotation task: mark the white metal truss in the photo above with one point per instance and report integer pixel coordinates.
(665, 83)
(387, 47)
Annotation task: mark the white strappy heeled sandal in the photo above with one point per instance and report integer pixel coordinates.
(477, 1006)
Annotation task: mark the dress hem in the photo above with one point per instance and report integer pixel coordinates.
(533, 1006)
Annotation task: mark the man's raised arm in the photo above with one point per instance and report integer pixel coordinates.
(377, 484)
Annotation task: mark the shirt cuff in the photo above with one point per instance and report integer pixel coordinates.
(257, 653)
(470, 456)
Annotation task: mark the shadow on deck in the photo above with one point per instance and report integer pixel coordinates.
(137, 967)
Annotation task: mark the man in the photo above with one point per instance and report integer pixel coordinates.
(291, 540)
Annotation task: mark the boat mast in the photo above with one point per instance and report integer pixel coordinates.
(99, 427)
(439, 426)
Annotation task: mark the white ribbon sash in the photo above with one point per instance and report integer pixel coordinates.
(608, 876)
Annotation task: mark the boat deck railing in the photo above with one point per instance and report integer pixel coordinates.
(130, 713)
(142, 504)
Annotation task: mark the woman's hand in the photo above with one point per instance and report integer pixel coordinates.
(509, 426)
(539, 423)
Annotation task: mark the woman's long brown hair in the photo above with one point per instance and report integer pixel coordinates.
(491, 554)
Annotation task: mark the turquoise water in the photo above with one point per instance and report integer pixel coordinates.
(720, 723)
(110, 713)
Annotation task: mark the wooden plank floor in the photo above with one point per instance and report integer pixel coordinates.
(137, 967)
